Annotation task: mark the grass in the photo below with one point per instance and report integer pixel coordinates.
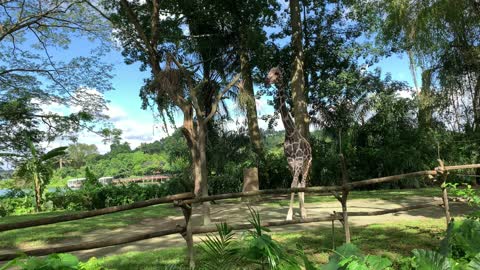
(385, 194)
(393, 240)
(74, 230)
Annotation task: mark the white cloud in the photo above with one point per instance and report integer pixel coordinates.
(135, 129)
(406, 93)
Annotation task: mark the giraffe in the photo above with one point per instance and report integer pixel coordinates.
(297, 149)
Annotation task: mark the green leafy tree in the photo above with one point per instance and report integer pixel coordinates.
(33, 36)
(79, 153)
(249, 18)
(37, 169)
(177, 85)
(441, 40)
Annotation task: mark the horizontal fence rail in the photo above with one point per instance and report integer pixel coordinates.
(93, 213)
(319, 189)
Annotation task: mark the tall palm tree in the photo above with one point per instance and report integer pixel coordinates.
(37, 168)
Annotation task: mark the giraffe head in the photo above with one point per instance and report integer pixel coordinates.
(274, 76)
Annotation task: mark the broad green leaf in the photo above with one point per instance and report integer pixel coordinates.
(430, 260)
(377, 263)
(474, 263)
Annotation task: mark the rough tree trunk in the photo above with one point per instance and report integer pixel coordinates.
(202, 188)
(476, 106)
(476, 118)
(196, 141)
(251, 108)
(38, 193)
(425, 99)
(297, 82)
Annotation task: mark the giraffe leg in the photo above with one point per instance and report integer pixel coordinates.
(303, 211)
(303, 183)
(292, 195)
(290, 209)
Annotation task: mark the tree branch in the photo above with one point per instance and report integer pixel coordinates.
(220, 96)
(134, 20)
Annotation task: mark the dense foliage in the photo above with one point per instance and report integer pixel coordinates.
(36, 71)
(53, 262)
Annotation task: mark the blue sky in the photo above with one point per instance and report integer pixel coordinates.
(139, 125)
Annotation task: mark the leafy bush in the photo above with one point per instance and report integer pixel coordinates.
(16, 201)
(274, 172)
(459, 250)
(468, 193)
(462, 240)
(53, 262)
(220, 184)
(96, 196)
(349, 257)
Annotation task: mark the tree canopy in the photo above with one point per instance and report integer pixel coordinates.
(33, 75)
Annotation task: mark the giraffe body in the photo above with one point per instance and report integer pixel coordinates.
(297, 149)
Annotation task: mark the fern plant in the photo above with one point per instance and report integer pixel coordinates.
(220, 249)
(257, 249)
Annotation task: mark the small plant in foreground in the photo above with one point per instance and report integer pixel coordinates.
(472, 196)
(258, 249)
(460, 250)
(61, 261)
(349, 257)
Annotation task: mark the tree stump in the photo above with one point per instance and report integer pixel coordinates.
(250, 183)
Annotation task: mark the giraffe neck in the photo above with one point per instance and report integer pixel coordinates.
(287, 118)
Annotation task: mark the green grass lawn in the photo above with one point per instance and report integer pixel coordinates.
(391, 240)
(385, 194)
(42, 235)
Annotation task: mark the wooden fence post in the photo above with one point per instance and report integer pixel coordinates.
(346, 225)
(187, 233)
(442, 174)
(333, 230)
(343, 198)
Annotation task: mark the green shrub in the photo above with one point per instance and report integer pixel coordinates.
(220, 184)
(16, 202)
(460, 249)
(349, 257)
(468, 193)
(61, 261)
(96, 196)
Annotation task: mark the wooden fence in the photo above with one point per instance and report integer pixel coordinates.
(185, 201)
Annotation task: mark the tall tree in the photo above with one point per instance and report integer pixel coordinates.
(302, 120)
(440, 38)
(80, 153)
(248, 20)
(155, 41)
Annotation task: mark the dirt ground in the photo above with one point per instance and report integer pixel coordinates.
(235, 212)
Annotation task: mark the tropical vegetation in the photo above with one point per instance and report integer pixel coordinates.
(204, 64)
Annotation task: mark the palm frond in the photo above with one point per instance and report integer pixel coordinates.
(219, 248)
(59, 151)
